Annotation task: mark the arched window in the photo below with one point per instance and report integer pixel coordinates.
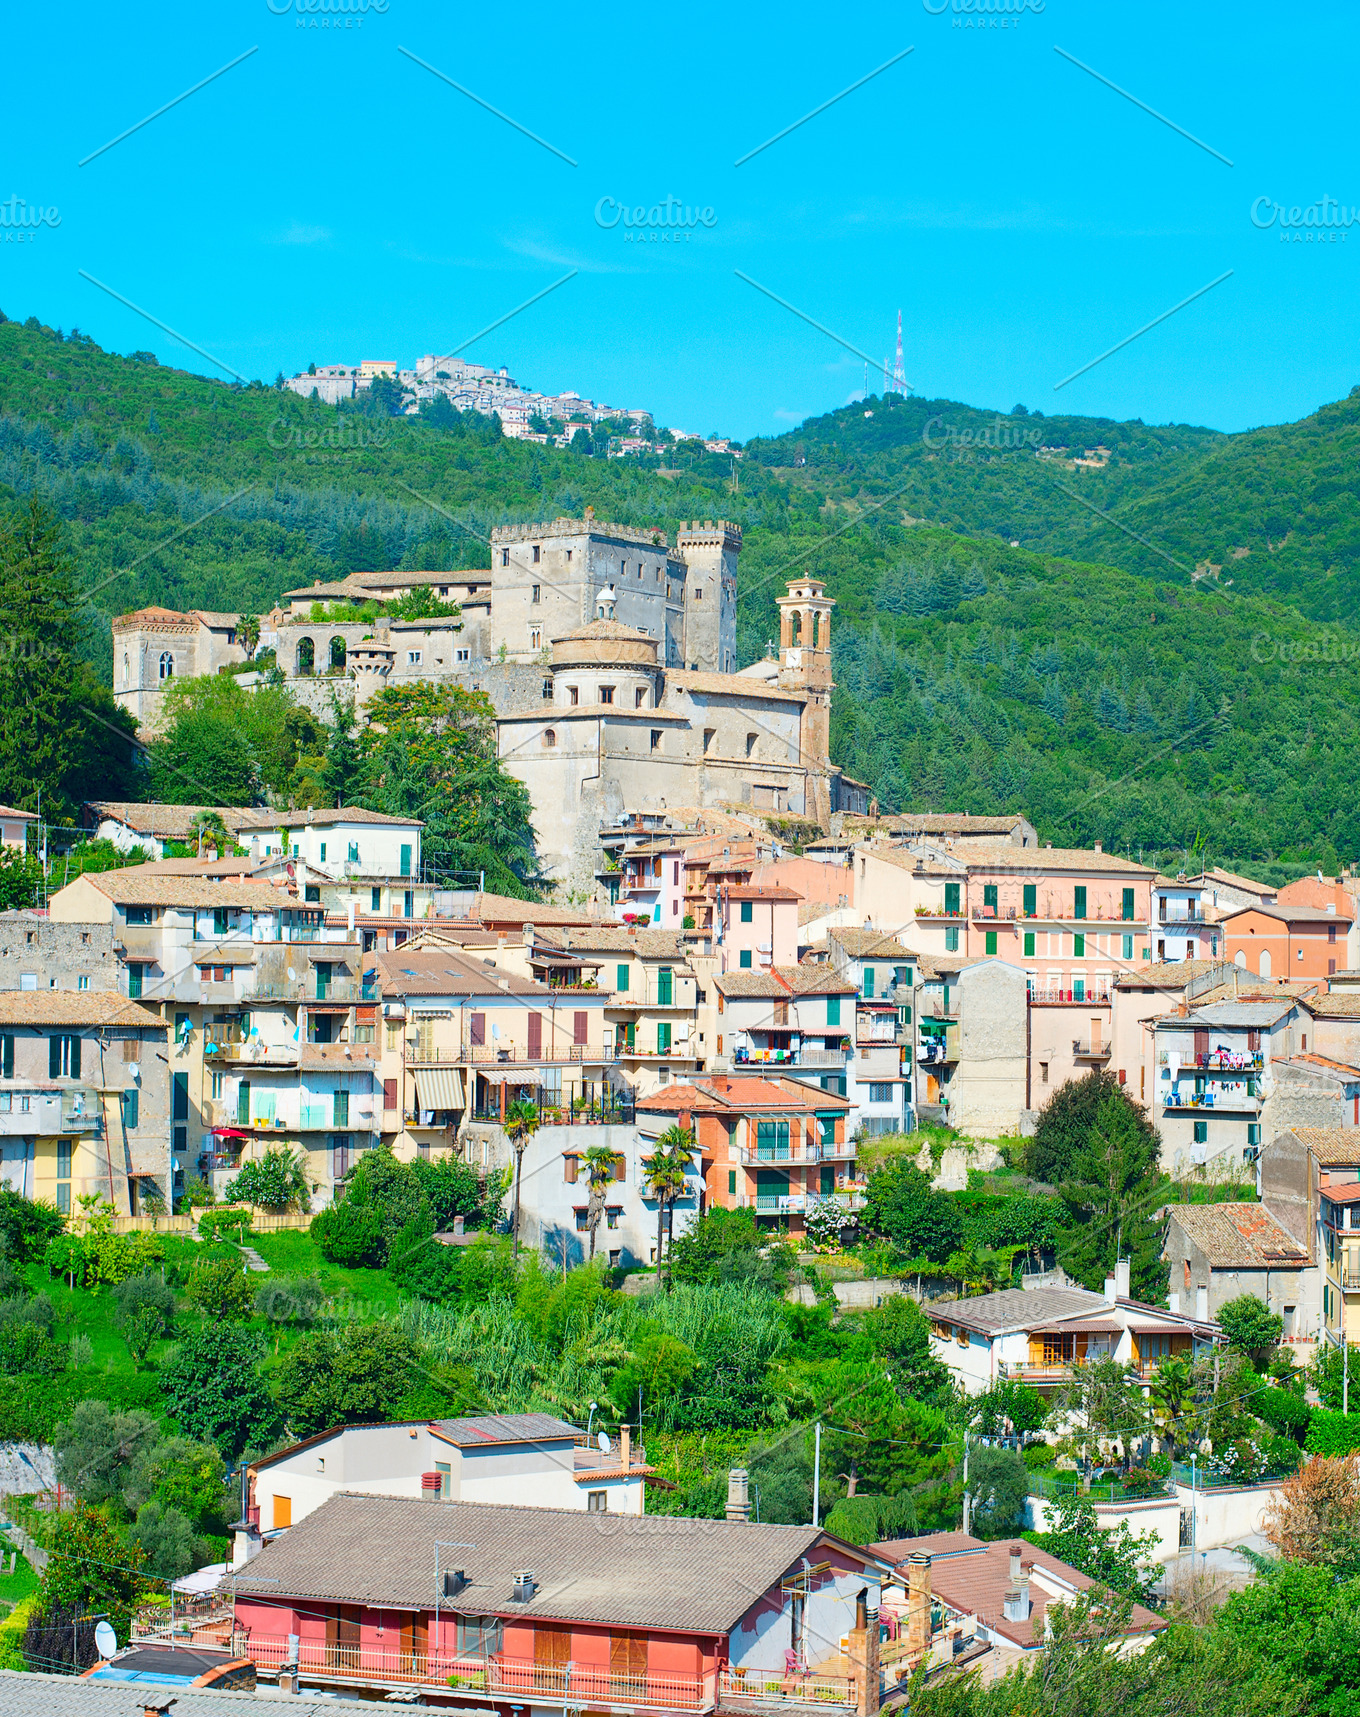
(126, 672)
(306, 657)
(1240, 959)
(337, 655)
(167, 665)
(1265, 962)
(549, 738)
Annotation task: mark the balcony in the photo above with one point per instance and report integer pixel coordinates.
(50, 1112)
(1244, 1102)
(1086, 1051)
(1230, 1064)
(754, 1690)
(252, 1053)
(497, 1677)
(800, 1057)
(1080, 997)
(493, 1054)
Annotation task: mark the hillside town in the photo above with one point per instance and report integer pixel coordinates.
(746, 989)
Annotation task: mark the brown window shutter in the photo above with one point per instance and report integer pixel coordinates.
(477, 1029)
(389, 1093)
(535, 1035)
(580, 1027)
(620, 1168)
(1201, 1040)
(570, 1168)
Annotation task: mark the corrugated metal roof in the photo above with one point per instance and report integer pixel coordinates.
(23, 1695)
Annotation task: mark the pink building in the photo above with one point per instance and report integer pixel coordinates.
(759, 927)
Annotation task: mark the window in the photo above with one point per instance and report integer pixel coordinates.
(1253, 1132)
(951, 899)
(612, 1213)
(1029, 944)
(621, 978)
(375, 900)
(1128, 903)
(880, 1093)
(951, 939)
(535, 593)
(1201, 1132)
(323, 852)
(1079, 945)
(405, 860)
(389, 1093)
(656, 739)
(990, 942)
(744, 960)
(747, 911)
(408, 903)
(1078, 989)
(751, 744)
(582, 1214)
(1079, 902)
(665, 987)
(7, 1056)
(710, 734)
(505, 557)
(180, 1094)
(833, 1010)
(1331, 932)
(1030, 904)
(536, 552)
(462, 655)
(130, 1105)
(340, 1109)
(731, 1183)
(135, 970)
(772, 1141)
(139, 915)
(167, 666)
(413, 658)
(217, 1079)
(63, 1056)
(869, 982)
(663, 1038)
(597, 1502)
(312, 892)
(989, 895)
(549, 738)
(606, 694)
(1043, 1073)
(573, 695)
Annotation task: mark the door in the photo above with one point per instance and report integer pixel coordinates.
(627, 1666)
(342, 1640)
(477, 1030)
(535, 1036)
(415, 1645)
(1201, 1044)
(552, 1652)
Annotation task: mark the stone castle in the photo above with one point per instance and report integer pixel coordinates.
(608, 655)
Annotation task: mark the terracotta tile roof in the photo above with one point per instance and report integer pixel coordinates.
(1170, 975)
(1345, 1067)
(762, 891)
(505, 909)
(1238, 1236)
(811, 910)
(1334, 1147)
(720, 1095)
(74, 1007)
(973, 1577)
(810, 979)
(619, 939)
(177, 822)
(731, 685)
(979, 857)
(144, 885)
(749, 986)
(323, 819)
(9, 812)
(861, 944)
(1338, 1004)
(446, 972)
(642, 1572)
(1287, 914)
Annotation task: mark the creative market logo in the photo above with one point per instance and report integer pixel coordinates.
(984, 14)
(21, 221)
(334, 14)
(999, 436)
(671, 222)
(1323, 222)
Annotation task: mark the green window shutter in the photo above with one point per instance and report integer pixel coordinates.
(375, 900)
(664, 987)
(75, 1058)
(1079, 902)
(731, 1183)
(135, 971)
(1128, 903)
(989, 895)
(1128, 947)
(340, 1109)
(7, 1056)
(1029, 943)
(130, 1107)
(1031, 902)
(991, 941)
(747, 911)
(243, 1103)
(405, 860)
(622, 976)
(1078, 945)
(745, 960)
(951, 939)
(54, 1057)
(181, 1089)
(663, 1038)
(869, 981)
(951, 897)
(833, 1013)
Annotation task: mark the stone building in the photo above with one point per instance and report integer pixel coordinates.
(153, 646)
(37, 953)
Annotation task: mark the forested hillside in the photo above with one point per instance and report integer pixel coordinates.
(1122, 700)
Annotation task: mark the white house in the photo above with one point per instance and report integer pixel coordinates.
(530, 1459)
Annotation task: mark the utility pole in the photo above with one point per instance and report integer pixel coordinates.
(966, 1498)
(817, 1476)
(1345, 1365)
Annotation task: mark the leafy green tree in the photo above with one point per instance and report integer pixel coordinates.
(781, 1479)
(26, 1227)
(868, 1520)
(1304, 1624)
(1007, 1407)
(91, 1566)
(520, 1125)
(1251, 1328)
(899, 1334)
(219, 1288)
(166, 1539)
(221, 745)
(452, 1188)
(1101, 1404)
(901, 1205)
(275, 1181)
(350, 1235)
(183, 1475)
(1111, 1190)
(661, 1369)
(351, 1375)
(1058, 1146)
(21, 880)
(723, 1245)
(97, 1448)
(63, 734)
(1172, 1396)
(1119, 1559)
(145, 1312)
(454, 1275)
(213, 1389)
(998, 1482)
(1327, 1376)
(600, 1162)
(341, 771)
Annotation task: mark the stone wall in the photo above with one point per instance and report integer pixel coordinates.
(54, 955)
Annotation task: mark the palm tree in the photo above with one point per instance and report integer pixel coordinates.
(1172, 1395)
(211, 831)
(599, 1161)
(248, 634)
(666, 1169)
(521, 1123)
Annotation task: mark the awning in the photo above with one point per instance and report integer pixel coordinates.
(439, 1088)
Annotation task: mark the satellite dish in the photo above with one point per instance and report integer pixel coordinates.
(603, 1440)
(105, 1640)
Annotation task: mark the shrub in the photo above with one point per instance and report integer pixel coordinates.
(290, 1299)
(145, 1312)
(1333, 1434)
(212, 1388)
(219, 1288)
(1284, 1411)
(1250, 1326)
(26, 1227)
(275, 1181)
(350, 1235)
(225, 1224)
(96, 1449)
(350, 1376)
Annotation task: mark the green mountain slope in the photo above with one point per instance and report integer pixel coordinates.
(1118, 699)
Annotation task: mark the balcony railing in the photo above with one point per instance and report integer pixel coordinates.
(1087, 1051)
(492, 1054)
(1248, 1100)
(1054, 998)
(765, 1690)
(1231, 1063)
(494, 1676)
(801, 1057)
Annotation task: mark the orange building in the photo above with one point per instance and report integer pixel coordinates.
(772, 1146)
(1289, 940)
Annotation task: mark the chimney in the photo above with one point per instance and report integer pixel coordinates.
(523, 1586)
(1121, 1278)
(625, 1446)
(1098, 847)
(529, 934)
(431, 1486)
(1202, 1305)
(918, 1607)
(1174, 1303)
(1109, 1289)
(1015, 1602)
(738, 1495)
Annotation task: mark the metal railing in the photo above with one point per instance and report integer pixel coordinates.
(492, 1054)
(1091, 1051)
(494, 1675)
(1232, 1063)
(762, 1689)
(1047, 998)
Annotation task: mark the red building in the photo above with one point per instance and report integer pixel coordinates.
(505, 1607)
(765, 1145)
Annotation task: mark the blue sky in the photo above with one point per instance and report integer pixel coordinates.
(330, 199)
